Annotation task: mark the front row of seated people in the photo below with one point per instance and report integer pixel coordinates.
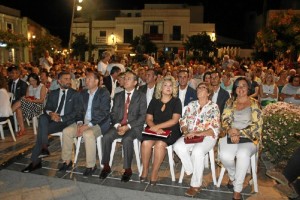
(87, 114)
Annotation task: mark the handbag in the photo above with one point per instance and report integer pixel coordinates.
(242, 140)
(196, 139)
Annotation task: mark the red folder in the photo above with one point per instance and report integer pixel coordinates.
(196, 139)
(166, 134)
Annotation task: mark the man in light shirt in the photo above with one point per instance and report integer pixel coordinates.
(185, 93)
(102, 65)
(149, 88)
(46, 61)
(60, 111)
(220, 96)
(93, 119)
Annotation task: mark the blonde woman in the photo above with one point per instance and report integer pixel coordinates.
(163, 113)
(268, 90)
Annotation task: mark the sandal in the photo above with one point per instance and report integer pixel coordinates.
(21, 133)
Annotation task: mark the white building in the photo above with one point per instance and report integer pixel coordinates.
(167, 25)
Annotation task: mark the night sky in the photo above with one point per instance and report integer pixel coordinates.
(55, 15)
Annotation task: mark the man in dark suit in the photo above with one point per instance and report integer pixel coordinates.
(128, 118)
(149, 88)
(59, 112)
(220, 96)
(110, 81)
(93, 119)
(185, 93)
(18, 88)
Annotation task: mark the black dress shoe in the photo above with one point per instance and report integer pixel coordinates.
(44, 153)
(89, 171)
(104, 173)
(31, 167)
(229, 185)
(66, 167)
(126, 177)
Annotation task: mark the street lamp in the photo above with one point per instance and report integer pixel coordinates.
(78, 8)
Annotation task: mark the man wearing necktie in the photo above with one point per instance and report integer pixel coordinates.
(128, 118)
(59, 112)
(18, 88)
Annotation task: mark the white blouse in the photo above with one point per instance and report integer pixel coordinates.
(5, 107)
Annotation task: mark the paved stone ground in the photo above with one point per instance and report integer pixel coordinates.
(48, 183)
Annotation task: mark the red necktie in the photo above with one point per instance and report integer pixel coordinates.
(124, 120)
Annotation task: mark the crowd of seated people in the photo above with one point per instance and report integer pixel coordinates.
(118, 100)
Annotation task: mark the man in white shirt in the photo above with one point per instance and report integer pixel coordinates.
(185, 93)
(220, 96)
(46, 61)
(102, 65)
(149, 88)
(149, 60)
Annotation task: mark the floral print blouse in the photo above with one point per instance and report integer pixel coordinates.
(208, 117)
(254, 130)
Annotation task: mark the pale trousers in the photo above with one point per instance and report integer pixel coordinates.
(89, 135)
(236, 170)
(193, 163)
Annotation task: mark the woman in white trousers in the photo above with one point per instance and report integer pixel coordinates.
(201, 118)
(242, 123)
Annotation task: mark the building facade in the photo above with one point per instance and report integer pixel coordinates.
(167, 25)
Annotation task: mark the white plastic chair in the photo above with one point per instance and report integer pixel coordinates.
(11, 97)
(253, 165)
(98, 143)
(211, 155)
(136, 147)
(171, 161)
(10, 128)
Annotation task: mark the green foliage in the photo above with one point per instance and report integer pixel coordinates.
(13, 40)
(280, 130)
(80, 46)
(201, 45)
(281, 36)
(142, 44)
(46, 42)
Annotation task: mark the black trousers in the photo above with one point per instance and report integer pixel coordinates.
(127, 142)
(46, 126)
(292, 170)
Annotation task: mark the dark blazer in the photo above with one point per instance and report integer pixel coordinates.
(100, 108)
(20, 91)
(144, 88)
(136, 111)
(70, 105)
(191, 95)
(223, 96)
(108, 83)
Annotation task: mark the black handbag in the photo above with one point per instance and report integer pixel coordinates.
(242, 140)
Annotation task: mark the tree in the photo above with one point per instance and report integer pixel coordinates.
(201, 45)
(80, 46)
(142, 44)
(13, 40)
(281, 36)
(43, 43)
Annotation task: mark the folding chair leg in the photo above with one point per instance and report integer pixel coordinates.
(11, 130)
(77, 148)
(212, 166)
(2, 132)
(113, 149)
(221, 176)
(137, 154)
(171, 161)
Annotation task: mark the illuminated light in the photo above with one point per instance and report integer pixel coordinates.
(3, 44)
(132, 54)
(79, 8)
(80, 1)
(33, 36)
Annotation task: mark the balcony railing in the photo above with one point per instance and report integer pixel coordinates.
(155, 36)
(101, 40)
